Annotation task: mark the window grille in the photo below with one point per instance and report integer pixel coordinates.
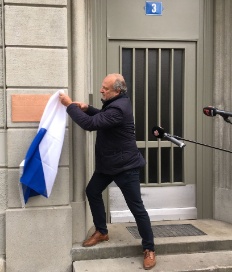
(155, 81)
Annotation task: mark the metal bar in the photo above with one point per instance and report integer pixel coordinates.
(159, 114)
(133, 82)
(194, 142)
(171, 115)
(146, 116)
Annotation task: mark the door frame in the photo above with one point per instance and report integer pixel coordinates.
(181, 204)
(204, 84)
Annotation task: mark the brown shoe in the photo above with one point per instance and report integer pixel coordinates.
(149, 259)
(96, 238)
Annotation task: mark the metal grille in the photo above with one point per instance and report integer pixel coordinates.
(169, 231)
(155, 79)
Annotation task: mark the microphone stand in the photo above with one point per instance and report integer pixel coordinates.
(227, 119)
(194, 142)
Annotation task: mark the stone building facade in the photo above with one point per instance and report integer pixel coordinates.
(48, 45)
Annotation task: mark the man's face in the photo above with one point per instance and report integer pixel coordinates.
(107, 90)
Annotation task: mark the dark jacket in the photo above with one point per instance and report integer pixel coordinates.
(115, 147)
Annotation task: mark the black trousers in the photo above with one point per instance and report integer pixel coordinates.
(128, 182)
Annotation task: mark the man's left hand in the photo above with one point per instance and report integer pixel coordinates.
(65, 99)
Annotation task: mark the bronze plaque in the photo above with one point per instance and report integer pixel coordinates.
(28, 107)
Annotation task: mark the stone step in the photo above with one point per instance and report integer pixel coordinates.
(218, 237)
(220, 261)
(2, 265)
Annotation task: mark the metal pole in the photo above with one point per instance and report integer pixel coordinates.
(180, 138)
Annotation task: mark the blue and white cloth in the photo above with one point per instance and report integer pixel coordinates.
(42, 159)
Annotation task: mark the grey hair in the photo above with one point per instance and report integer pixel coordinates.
(121, 85)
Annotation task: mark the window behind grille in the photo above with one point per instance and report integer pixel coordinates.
(155, 80)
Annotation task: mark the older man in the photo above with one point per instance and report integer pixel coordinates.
(117, 159)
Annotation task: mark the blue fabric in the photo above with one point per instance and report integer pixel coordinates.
(33, 176)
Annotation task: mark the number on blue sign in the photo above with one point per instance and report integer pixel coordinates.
(153, 8)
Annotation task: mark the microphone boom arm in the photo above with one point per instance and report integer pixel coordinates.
(194, 142)
(226, 119)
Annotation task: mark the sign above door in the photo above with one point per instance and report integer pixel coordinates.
(153, 8)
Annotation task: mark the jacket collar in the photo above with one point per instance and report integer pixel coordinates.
(107, 102)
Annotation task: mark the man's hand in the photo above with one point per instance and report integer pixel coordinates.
(81, 105)
(65, 99)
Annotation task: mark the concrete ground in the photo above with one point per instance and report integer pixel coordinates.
(214, 261)
(2, 265)
(210, 252)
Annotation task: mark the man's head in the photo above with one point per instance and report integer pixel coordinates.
(113, 85)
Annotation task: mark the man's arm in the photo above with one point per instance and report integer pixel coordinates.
(101, 120)
(88, 117)
(66, 101)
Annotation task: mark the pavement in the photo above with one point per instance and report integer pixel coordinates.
(123, 252)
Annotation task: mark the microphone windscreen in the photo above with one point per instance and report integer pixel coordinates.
(160, 131)
(210, 111)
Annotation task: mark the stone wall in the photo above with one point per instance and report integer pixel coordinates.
(39, 236)
(3, 166)
(223, 100)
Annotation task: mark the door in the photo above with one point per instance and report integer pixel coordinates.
(161, 80)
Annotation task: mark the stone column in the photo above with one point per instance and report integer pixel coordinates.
(81, 140)
(223, 100)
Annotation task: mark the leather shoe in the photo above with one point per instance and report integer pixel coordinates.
(96, 238)
(149, 259)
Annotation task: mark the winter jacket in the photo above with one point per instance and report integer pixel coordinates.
(115, 148)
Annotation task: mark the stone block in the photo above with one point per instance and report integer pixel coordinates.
(19, 141)
(2, 114)
(2, 265)
(59, 194)
(40, 67)
(2, 234)
(12, 92)
(1, 66)
(3, 189)
(1, 25)
(37, 2)
(3, 147)
(42, 240)
(24, 26)
(79, 221)
(223, 205)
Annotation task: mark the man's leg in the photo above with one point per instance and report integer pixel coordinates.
(128, 182)
(94, 189)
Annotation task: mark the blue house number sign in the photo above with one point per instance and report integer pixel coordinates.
(153, 8)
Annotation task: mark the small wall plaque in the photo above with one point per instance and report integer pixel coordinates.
(28, 107)
(153, 8)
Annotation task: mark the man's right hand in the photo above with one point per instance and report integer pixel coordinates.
(81, 105)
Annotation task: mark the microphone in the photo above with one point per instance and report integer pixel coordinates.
(166, 135)
(212, 111)
(160, 131)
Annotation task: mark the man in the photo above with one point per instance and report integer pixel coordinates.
(117, 159)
